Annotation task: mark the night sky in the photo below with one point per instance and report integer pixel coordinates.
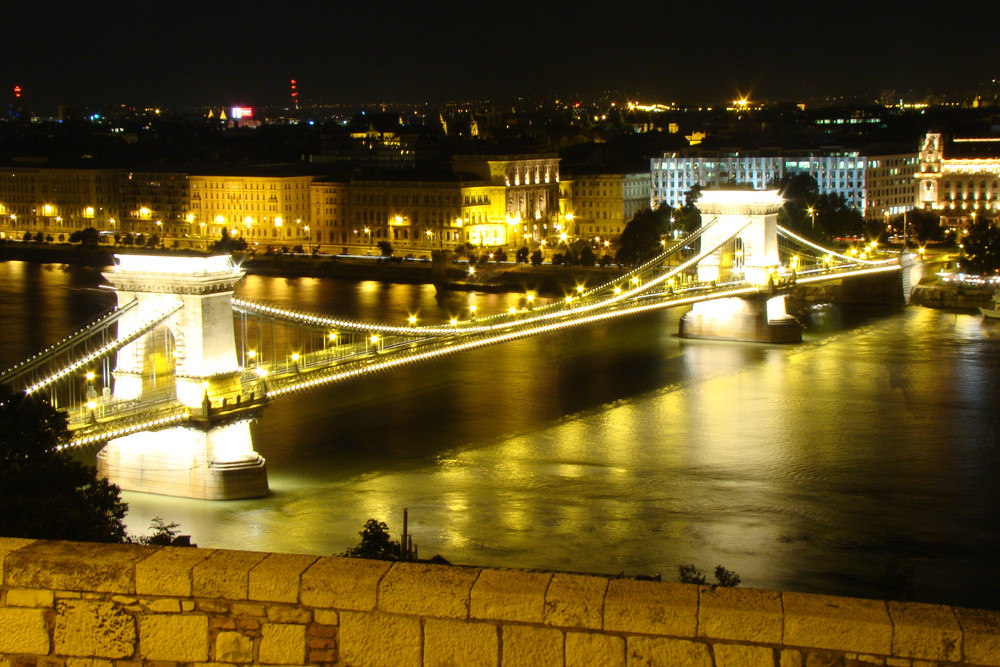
(175, 53)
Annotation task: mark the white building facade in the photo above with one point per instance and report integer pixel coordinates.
(848, 173)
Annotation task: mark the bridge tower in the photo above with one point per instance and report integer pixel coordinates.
(189, 357)
(747, 229)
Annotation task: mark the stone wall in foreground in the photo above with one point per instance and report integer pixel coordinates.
(67, 604)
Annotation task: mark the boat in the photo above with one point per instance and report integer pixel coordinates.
(994, 311)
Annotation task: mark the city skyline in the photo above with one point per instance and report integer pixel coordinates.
(189, 54)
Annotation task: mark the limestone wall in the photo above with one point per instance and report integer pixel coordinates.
(84, 605)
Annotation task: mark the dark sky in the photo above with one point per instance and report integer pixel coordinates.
(181, 53)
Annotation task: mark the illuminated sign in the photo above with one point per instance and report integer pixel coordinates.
(241, 112)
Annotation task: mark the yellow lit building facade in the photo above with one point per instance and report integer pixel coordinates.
(265, 208)
(55, 201)
(527, 187)
(155, 202)
(604, 202)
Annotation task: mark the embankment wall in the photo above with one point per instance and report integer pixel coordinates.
(66, 604)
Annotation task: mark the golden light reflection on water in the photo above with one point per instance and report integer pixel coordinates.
(621, 448)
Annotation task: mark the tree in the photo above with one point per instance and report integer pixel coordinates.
(46, 494)
(800, 192)
(581, 254)
(164, 534)
(385, 248)
(86, 236)
(536, 258)
(227, 243)
(834, 218)
(521, 256)
(499, 256)
(375, 543)
(925, 226)
(981, 246)
(640, 240)
(689, 574)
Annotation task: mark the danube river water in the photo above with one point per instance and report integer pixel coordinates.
(817, 467)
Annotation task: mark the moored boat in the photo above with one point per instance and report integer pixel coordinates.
(993, 312)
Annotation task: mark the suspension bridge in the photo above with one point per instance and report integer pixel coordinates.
(169, 380)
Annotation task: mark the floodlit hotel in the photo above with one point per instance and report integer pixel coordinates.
(876, 185)
(959, 177)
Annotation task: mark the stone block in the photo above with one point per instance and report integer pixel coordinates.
(276, 578)
(586, 649)
(75, 566)
(836, 623)
(163, 606)
(470, 644)
(233, 647)
(651, 607)
(527, 646)
(248, 610)
(24, 631)
(8, 544)
(225, 574)
(427, 590)
(575, 601)
(371, 639)
(282, 644)
(94, 629)
(509, 595)
(29, 597)
(87, 662)
(169, 571)
(282, 614)
(790, 658)
(736, 655)
(343, 583)
(662, 652)
(982, 636)
(173, 637)
(326, 617)
(740, 614)
(925, 631)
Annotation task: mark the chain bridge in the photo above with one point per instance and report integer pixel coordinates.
(169, 380)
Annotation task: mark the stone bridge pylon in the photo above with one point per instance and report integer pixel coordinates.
(750, 219)
(189, 357)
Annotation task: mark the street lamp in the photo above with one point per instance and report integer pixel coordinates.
(812, 214)
(368, 231)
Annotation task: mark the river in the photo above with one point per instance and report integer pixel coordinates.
(619, 447)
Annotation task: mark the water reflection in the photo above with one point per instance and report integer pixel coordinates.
(621, 448)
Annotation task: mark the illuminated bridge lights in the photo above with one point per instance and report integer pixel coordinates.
(100, 352)
(652, 287)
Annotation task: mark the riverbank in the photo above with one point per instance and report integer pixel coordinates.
(453, 274)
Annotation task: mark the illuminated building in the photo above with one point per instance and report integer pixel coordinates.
(412, 210)
(530, 187)
(874, 184)
(56, 201)
(330, 224)
(267, 206)
(154, 203)
(959, 177)
(604, 201)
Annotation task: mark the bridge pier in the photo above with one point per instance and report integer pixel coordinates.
(188, 359)
(218, 463)
(746, 241)
(756, 320)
